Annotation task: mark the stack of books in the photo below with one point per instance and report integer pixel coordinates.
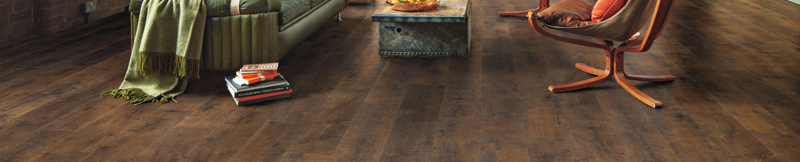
(256, 83)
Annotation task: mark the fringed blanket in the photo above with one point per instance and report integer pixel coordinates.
(166, 51)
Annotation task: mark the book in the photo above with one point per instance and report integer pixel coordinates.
(256, 83)
(254, 97)
(272, 66)
(261, 95)
(256, 92)
(255, 74)
(277, 82)
(260, 100)
(248, 79)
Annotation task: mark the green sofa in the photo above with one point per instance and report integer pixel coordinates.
(261, 31)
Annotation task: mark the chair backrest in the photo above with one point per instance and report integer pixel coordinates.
(629, 20)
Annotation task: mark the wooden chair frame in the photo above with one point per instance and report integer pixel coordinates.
(614, 54)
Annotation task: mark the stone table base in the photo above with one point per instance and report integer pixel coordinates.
(439, 33)
(426, 40)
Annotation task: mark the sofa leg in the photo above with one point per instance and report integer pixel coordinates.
(339, 17)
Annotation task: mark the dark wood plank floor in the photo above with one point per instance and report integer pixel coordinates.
(736, 98)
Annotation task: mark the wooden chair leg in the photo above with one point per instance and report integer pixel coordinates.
(580, 84)
(660, 78)
(588, 69)
(623, 81)
(614, 58)
(602, 76)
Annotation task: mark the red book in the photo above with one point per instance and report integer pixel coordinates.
(254, 79)
(250, 75)
(248, 98)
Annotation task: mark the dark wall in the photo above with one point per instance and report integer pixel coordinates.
(20, 18)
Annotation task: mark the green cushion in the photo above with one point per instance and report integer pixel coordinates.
(292, 9)
(316, 2)
(218, 8)
(289, 9)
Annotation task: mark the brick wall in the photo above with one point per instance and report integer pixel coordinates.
(22, 18)
(16, 19)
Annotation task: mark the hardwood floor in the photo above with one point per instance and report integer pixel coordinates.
(735, 99)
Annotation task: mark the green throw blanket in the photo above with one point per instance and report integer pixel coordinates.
(166, 51)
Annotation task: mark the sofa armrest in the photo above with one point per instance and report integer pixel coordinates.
(134, 6)
(274, 5)
(253, 6)
(218, 8)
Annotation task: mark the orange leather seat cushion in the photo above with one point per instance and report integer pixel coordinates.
(604, 9)
(568, 13)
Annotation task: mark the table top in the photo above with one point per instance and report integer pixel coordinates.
(449, 11)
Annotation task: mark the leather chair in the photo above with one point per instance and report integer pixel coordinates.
(615, 36)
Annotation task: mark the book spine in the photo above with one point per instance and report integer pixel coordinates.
(260, 91)
(249, 75)
(260, 86)
(248, 98)
(251, 80)
(240, 81)
(230, 89)
(254, 72)
(273, 66)
(263, 99)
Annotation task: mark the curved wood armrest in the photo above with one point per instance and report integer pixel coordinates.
(657, 23)
(544, 3)
(633, 42)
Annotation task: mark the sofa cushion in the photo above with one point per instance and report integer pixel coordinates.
(219, 8)
(292, 9)
(314, 3)
(568, 13)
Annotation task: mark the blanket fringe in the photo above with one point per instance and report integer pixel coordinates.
(136, 96)
(168, 63)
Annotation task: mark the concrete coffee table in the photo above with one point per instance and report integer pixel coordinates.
(444, 32)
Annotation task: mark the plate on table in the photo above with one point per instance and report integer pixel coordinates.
(413, 5)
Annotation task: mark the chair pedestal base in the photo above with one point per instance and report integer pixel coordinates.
(614, 68)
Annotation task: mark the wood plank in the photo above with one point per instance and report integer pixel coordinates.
(761, 124)
(370, 128)
(459, 117)
(334, 118)
(55, 113)
(138, 137)
(734, 99)
(38, 89)
(502, 134)
(546, 126)
(227, 136)
(411, 137)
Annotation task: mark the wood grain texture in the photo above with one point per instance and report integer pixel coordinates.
(735, 97)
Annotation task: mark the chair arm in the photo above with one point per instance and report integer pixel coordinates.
(543, 4)
(657, 23)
